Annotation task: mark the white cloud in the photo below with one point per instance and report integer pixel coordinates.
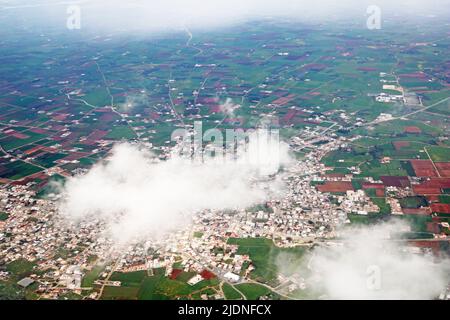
(170, 15)
(351, 271)
(138, 197)
(228, 107)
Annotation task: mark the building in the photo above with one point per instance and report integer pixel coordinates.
(232, 277)
(25, 282)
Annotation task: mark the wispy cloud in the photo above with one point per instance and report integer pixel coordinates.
(169, 15)
(138, 196)
(368, 263)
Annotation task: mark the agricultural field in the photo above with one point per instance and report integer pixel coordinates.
(365, 112)
(140, 285)
(253, 291)
(266, 257)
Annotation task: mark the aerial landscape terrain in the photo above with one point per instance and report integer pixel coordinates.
(96, 202)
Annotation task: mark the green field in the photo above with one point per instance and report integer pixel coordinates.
(18, 169)
(20, 268)
(120, 293)
(444, 199)
(140, 285)
(264, 255)
(439, 154)
(253, 291)
(122, 132)
(91, 276)
(230, 293)
(10, 291)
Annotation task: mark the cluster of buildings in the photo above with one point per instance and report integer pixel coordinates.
(63, 253)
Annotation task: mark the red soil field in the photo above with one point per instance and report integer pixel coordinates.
(423, 168)
(214, 108)
(432, 186)
(433, 227)
(433, 245)
(284, 100)
(433, 198)
(425, 190)
(418, 211)
(395, 181)
(207, 275)
(60, 117)
(438, 182)
(416, 75)
(369, 185)
(97, 135)
(18, 135)
(443, 168)
(108, 116)
(400, 144)
(39, 130)
(440, 207)
(175, 273)
(335, 186)
(412, 129)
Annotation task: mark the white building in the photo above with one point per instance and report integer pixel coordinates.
(232, 277)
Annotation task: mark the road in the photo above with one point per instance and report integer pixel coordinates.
(100, 293)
